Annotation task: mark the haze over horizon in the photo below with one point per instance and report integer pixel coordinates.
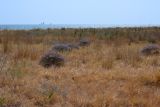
(109, 12)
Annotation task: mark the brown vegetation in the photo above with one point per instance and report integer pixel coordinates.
(110, 72)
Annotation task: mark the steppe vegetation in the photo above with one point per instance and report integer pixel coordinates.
(110, 72)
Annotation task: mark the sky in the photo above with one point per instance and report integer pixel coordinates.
(108, 12)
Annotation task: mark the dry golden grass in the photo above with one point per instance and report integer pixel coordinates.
(105, 74)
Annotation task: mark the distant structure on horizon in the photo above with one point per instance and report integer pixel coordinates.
(42, 23)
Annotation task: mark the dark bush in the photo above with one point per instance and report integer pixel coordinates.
(151, 49)
(84, 42)
(73, 46)
(61, 47)
(52, 58)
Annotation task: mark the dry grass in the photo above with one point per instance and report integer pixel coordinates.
(108, 73)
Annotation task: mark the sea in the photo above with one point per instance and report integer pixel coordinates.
(46, 26)
(59, 26)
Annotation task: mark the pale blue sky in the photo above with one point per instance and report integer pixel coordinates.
(111, 12)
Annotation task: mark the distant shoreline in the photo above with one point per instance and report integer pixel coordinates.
(59, 26)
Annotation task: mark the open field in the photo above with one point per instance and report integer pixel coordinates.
(110, 72)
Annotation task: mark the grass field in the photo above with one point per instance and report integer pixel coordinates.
(110, 72)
